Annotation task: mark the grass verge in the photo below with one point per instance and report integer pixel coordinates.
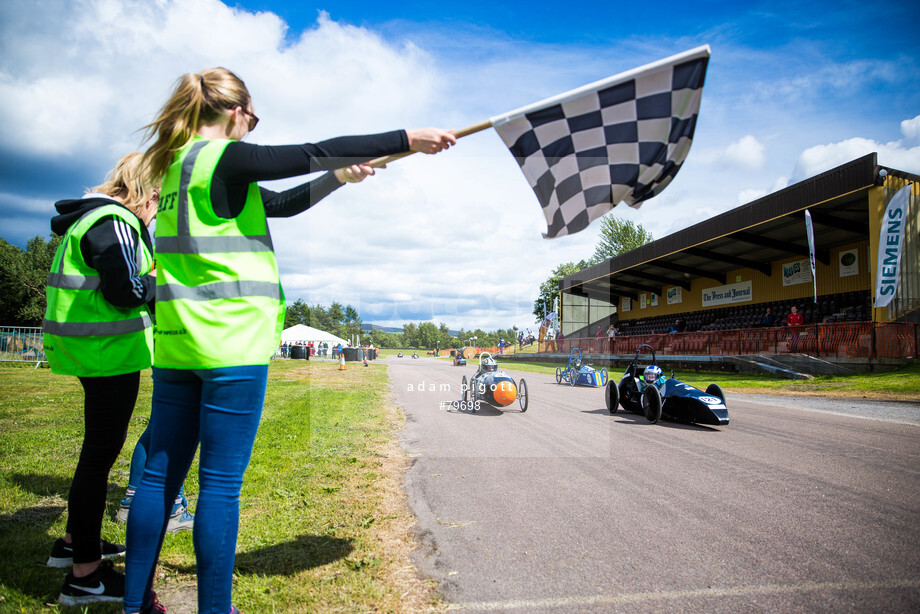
(324, 525)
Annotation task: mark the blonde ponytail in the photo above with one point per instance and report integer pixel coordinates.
(198, 99)
(126, 183)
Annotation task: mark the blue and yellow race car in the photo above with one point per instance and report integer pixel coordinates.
(577, 373)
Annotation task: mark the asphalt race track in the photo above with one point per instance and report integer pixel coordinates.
(566, 508)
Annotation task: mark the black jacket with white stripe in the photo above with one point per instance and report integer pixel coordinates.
(109, 247)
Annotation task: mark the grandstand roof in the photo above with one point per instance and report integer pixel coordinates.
(750, 236)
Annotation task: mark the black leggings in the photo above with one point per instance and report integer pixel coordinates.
(107, 408)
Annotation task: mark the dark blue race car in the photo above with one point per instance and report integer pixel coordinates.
(645, 390)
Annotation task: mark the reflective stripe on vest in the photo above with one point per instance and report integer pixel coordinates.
(221, 289)
(73, 282)
(85, 335)
(219, 296)
(96, 329)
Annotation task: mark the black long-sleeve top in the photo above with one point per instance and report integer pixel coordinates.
(244, 163)
(109, 247)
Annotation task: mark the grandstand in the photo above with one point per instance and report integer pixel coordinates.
(720, 275)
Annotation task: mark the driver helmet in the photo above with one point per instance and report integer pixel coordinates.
(651, 375)
(489, 364)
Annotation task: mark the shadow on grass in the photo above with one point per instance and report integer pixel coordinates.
(289, 558)
(43, 485)
(304, 552)
(24, 549)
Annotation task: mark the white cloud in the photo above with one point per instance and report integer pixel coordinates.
(746, 196)
(820, 158)
(747, 152)
(910, 128)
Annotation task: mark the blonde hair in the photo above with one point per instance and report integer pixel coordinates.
(198, 99)
(127, 183)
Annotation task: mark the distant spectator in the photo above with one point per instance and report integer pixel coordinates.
(611, 331)
(794, 318)
(768, 318)
(600, 332)
(677, 327)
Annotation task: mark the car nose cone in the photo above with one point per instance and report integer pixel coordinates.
(505, 393)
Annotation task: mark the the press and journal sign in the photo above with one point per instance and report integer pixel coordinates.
(728, 294)
(890, 247)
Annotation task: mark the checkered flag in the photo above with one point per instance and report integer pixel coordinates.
(620, 139)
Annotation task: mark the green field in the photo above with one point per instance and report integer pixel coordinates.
(324, 525)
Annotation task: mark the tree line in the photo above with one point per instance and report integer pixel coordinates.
(24, 273)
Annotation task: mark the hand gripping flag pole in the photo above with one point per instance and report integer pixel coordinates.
(620, 139)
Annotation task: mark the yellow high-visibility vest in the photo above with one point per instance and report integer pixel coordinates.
(84, 334)
(219, 296)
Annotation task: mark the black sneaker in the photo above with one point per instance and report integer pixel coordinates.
(104, 584)
(62, 552)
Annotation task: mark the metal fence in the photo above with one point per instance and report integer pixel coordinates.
(838, 340)
(22, 344)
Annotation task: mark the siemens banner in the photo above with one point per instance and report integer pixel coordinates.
(726, 295)
(890, 246)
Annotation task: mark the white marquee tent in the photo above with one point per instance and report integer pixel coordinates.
(305, 334)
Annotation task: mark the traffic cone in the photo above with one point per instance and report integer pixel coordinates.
(341, 362)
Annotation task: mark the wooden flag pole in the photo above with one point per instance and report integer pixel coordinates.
(377, 163)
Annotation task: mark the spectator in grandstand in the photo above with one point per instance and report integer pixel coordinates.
(769, 318)
(678, 326)
(98, 327)
(794, 320)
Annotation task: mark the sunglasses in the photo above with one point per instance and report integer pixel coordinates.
(253, 120)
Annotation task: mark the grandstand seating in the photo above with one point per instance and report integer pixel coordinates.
(844, 307)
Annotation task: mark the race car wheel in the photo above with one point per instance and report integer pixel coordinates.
(651, 403)
(716, 391)
(522, 394)
(558, 375)
(464, 391)
(629, 396)
(573, 375)
(612, 396)
(604, 378)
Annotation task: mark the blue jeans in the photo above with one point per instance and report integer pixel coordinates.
(138, 461)
(222, 407)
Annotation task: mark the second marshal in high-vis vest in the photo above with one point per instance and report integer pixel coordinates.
(84, 334)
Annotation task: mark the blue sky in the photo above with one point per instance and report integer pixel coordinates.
(792, 90)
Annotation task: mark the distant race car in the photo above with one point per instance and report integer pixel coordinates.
(459, 360)
(645, 390)
(491, 386)
(577, 373)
